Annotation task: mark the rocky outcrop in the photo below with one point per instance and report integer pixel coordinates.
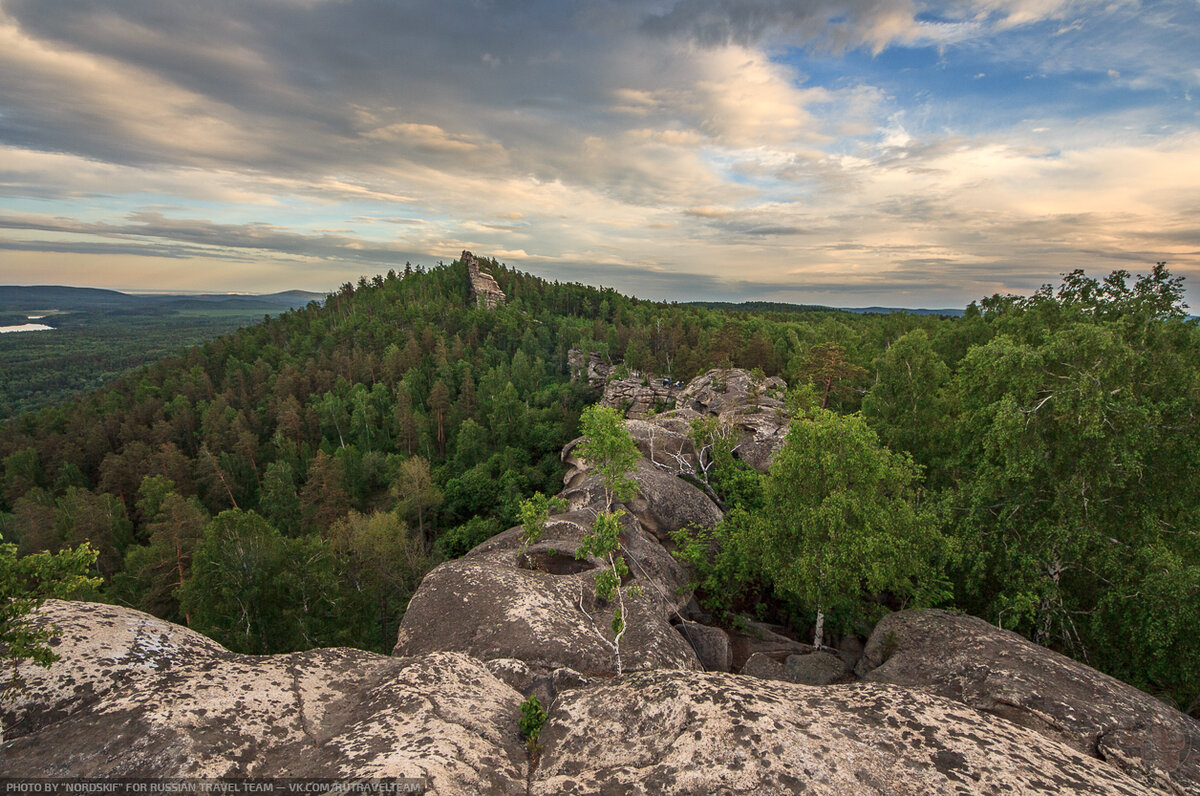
(1000, 673)
(700, 733)
(483, 288)
(664, 502)
(711, 645)
(542, 609)
(955, 706)
(134, 696)
(638, 396)
(749, 406)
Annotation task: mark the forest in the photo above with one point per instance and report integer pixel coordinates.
(288, 485)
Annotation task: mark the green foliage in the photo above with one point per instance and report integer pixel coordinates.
(257, 591)
(88, 349)
(735, 484)
(910, 401)
(383, 562)
(1058, 433)
(604, 542)
(535, 511)
(1076, 439)
(609, 450)
(727, 576)
(842, 521)
(154, 572)
(533, 718)
(25, 584)
(461, 539)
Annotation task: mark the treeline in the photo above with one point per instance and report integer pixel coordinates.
(287, 486)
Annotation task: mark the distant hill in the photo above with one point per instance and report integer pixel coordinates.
(783, 307)
(15, 298)
(18, 298)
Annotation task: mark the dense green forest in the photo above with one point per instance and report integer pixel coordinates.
(288, 485)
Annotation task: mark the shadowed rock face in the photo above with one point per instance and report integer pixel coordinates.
(493, 603)
(1000, 673)
(136, 696)
(701, 733)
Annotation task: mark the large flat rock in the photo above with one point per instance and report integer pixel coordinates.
(1001, 673)
(135, 696)
(710, 733)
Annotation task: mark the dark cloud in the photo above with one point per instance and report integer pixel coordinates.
(190, 238)
(836, 24)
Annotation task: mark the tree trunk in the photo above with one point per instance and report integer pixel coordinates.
(819, 632)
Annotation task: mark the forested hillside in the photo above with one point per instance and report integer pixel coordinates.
(287, 486)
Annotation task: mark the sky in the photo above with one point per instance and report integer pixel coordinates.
(871, 152)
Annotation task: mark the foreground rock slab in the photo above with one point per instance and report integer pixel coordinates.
(998, 672)
(136, 696)
(703, 733)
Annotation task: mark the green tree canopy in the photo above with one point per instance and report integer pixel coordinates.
(609, 451)
(841, 521)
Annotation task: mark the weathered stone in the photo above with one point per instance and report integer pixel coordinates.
(636, 396)
(664, 502)
(664, 440)
(752, 408)
(711, 645)
(759, 637)
(483, 288)
(850, 650)
(135, 696)
(700, 733)
(523, 678)
(998, 672)
(567, 679)
(491, 604)
(816, 668)
(694, 613)
(764, 667)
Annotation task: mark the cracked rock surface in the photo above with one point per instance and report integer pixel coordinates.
(998, 672)
(137, 696)
(702, 733)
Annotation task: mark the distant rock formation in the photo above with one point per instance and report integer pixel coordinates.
(484, 289)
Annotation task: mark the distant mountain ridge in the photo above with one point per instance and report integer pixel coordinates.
(780, 306)
(19, 298)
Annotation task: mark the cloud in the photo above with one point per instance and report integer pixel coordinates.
(666, 145)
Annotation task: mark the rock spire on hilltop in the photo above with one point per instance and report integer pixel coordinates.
(484, 289)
